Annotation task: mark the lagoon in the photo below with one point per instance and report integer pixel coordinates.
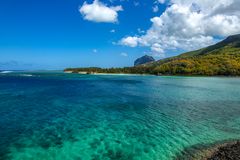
(59, 116)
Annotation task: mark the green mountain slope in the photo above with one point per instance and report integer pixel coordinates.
(222, 58)
(230, 42)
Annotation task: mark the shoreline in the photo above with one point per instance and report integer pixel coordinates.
(116, 74)
(86, 73)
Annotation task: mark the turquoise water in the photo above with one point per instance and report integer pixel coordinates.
(56, 116)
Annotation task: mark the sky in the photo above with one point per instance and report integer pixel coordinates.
(55, 34)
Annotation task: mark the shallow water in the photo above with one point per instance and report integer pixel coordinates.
(57, 116)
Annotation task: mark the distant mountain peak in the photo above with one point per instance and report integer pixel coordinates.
(144, 59)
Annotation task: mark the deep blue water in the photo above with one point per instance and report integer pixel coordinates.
(71, 117)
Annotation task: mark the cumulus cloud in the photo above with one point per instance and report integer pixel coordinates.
(112, 31)
(161, 1)
(99, 12)
(188, 25)
(140, 31)
(129, 41)
(124, 54)
(157, 48)
(155, 8)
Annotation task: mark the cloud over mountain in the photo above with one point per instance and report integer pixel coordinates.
(188, 25)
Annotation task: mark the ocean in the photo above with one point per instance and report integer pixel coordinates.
(59, 116)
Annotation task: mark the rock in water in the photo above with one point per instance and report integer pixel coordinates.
(143, 60)
(227, 152)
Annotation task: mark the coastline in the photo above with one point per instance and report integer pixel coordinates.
(115, 74)
(163, 75)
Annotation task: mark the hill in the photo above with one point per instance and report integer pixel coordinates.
(222, 58)
(143, 60)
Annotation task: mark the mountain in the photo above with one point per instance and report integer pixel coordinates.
(143, 60)
(231, 41)
(222, 58)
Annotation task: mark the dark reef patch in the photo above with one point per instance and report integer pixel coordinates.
(229, 151)
(223, 150)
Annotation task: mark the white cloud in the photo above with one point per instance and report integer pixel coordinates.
(140, 31)
(155, 9)
(188, 25)
(113, 31)
(99, 12)
(157, 48)
(161, 1)
(129, 41)
(124, 54)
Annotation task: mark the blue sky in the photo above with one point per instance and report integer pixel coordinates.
(54, 34)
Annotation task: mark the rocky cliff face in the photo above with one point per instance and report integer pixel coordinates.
(143, 60)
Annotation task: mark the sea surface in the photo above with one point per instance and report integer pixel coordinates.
(58, 116)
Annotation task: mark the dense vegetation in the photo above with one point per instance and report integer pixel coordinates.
(220, 59)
